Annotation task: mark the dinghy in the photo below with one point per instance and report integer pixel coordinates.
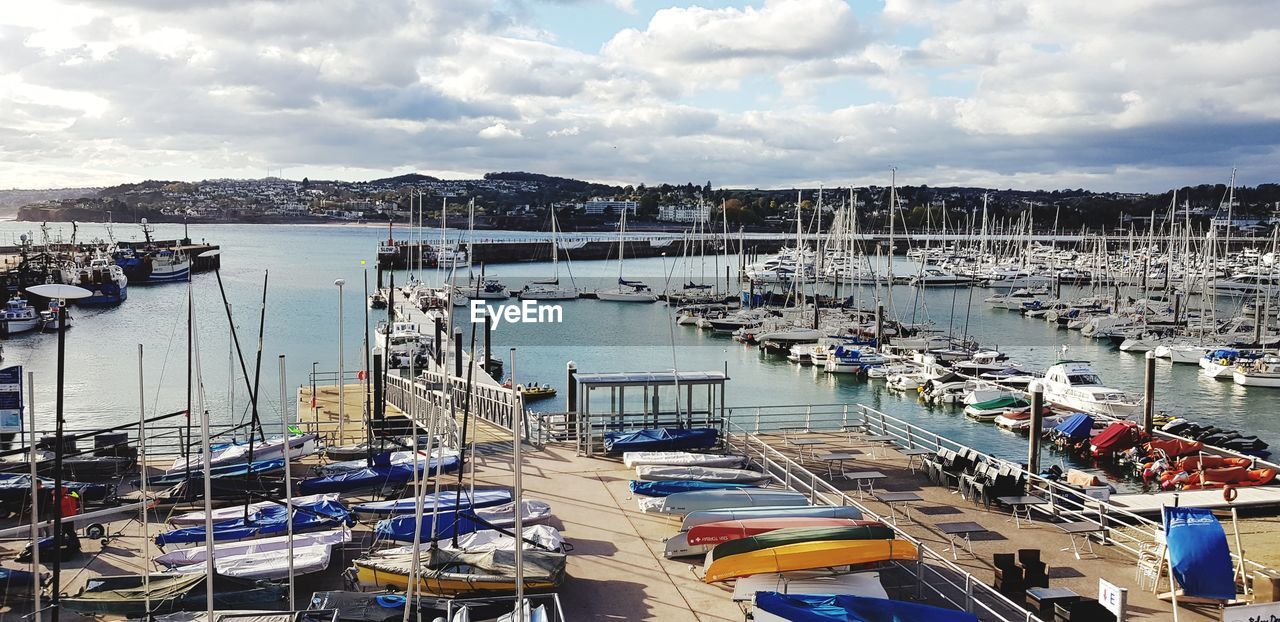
(988, 411)
(19, 582)
(545, 537)
(269, 521)
(261, 559)
(634, 459)
(455, 573)
(724, 531)
(678, 545)
(446, 501)
(655, 473)
(666, 488)
(254, 511)
(400, 528)
(797, 535)
(660, 439)
(686, 502)
(775, 607)
(809, 556)
(384, 459)
(377, 477)
(123, 595)
(299, 445)
(259, 467)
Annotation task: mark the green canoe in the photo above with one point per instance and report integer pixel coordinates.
(793, 535)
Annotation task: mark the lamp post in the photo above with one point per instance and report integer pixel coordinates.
(64, 293)
(342, 395)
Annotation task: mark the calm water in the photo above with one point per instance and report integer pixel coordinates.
(301, 323)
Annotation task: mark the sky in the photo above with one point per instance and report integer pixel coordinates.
(1127, 95)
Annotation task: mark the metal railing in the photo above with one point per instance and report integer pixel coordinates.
(434, 392)
(932, 570)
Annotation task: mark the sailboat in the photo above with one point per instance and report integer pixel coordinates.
(626, 291)
(551, 289)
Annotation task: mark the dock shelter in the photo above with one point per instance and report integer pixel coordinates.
(624, 401)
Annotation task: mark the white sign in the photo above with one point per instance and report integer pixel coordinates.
(1265, 612)
(1113, 597)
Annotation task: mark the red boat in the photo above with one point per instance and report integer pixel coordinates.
(1116, 438)
(724, 531)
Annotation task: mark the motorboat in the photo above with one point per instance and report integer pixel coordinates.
(18, 316)
(933, 276)
(1263, 372)
(1075, 386)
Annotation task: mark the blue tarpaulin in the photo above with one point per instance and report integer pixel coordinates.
(664, 488)
(400, 528)
(374, 477)
(1076, 426)
(269, 521)
(1198, 553)
(844, 608)
(235, 469)
(661, 439)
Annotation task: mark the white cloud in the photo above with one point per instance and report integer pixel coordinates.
(499, 130)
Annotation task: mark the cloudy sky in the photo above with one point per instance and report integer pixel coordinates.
(1110, 94)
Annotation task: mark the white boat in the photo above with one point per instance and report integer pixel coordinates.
(1181, 352)
(660, 472)
(403, 343)
(260, 559)
(1220, 363)
(534, 512)
(273, 449)
(1074, 385)
(849, 359)
(626, 291)
(486, 540)
(489, 289)
(1264, 372)
(634, 459)
(682, 503)
(1246, 283)
(191, 519)
(933, 276)
(18, 316)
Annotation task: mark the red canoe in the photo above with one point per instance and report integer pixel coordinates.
(724, 531)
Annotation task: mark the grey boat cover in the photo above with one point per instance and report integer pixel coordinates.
(658, 473)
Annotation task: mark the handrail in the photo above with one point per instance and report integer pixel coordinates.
(796, 477)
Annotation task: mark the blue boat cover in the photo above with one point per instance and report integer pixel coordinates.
(224, 470)
(375, 477)
(1198, 552)
(400, 528)
(1076, 426)
(661, 439)
(22, 482)
(1224, 353)
(446, 501)
(845, 608)
(664, 488)
(324, 514)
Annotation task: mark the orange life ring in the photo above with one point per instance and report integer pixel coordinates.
(1229, 493)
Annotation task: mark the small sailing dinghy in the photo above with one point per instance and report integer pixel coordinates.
(273, 448)
(261, 559)
(446, 501)
(657, 473)
(254, 510)
(124, 595)
(377, 477)
(269, 521)
(401, 528)
(686, 502)
(241, 469)
(455, 573)
(384, 459)
(634, 459)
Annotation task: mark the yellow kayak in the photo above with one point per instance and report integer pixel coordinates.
(809, 556)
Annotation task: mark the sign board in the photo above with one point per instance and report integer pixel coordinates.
(11, 400)
(1113, 597)
(1264, 612)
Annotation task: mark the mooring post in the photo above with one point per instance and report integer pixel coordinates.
(1149, 394)
(1037, 422)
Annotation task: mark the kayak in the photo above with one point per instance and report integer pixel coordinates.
(657, 472)
(634, 459)
(664, 489)
(796, 535)
(809, 556)
(678, 545)
(724, 531)
(685, 502)
(775, 607)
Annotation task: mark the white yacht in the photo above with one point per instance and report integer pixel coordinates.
(1264, 372)
(1075, 385)
(1221, 363)
(550, 289)
(933, 276)
(626, 291)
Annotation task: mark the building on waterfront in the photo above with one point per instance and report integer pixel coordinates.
(685, 213)
(598, 206)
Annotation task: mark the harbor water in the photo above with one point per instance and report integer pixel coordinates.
(303, 261)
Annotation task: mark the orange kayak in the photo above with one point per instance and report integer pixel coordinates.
(809, 556)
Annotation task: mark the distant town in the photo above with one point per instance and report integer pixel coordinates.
(523, 201)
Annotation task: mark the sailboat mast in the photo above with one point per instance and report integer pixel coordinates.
(288, 478)
(142, 486)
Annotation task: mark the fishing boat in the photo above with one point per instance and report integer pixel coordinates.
(135, 595)
(634, 459)
(18, 316)
(149, 264)
(1263, 372)
(456, 573)
(445, 524)
(260, 559)
(1074, 385)
(808, 555)
(105, 281)
(444, 501)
